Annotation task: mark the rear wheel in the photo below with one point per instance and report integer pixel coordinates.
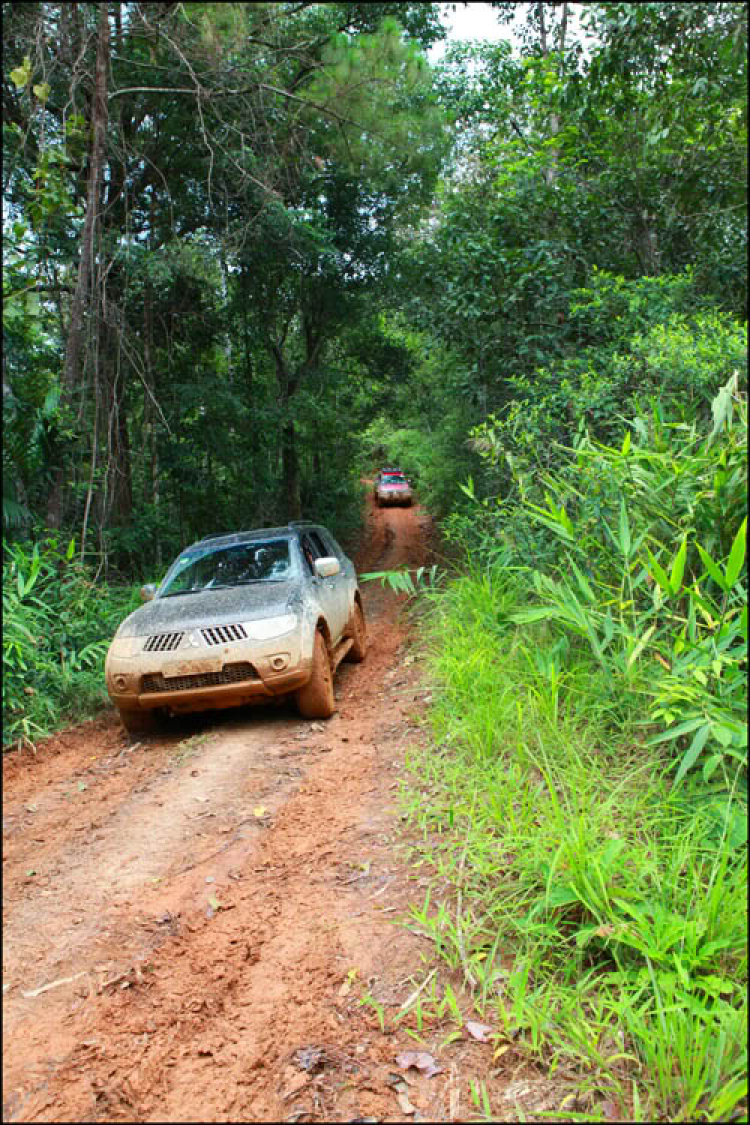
(356, 653)
(139, 722)
(316, 700)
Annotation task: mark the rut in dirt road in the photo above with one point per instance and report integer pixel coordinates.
(183, 917)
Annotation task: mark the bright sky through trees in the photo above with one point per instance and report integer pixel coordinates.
(469, 21)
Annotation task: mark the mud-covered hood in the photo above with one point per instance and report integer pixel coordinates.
(213, 607)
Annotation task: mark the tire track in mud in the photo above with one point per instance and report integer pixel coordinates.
(215, 894)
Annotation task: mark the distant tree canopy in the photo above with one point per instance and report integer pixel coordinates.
(237, 234)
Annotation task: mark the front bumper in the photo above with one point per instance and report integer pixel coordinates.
(215, 697)
(403, 499)
(239, 675)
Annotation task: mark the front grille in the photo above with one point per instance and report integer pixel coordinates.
(230, 674)
(163, 642)
(220, 634)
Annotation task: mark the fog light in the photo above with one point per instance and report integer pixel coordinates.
(279, 662)
(120, 682)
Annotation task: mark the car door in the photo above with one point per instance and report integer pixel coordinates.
(331, 592)
(348, 572)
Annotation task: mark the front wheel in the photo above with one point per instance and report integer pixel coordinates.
(139, 722)
(316, 700)
(356, 653)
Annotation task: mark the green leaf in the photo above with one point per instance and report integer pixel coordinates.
(723, 735)
(710, 766)
(534, 613)
(736, 555)
(21, 75)
(42, 91)
(704, 603)
(678, 569)
(659, 575)
(693, 751)
(562, 895)
(713, 569)
(675, 732)
(565, 520)
(551, 519)
(641, 645)
(583, 584)
(625, 540)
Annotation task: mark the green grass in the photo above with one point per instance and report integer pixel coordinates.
(616, 899)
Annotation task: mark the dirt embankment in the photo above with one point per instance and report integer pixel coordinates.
(190, 923)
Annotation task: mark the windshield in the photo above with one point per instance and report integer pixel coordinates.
(213, 568)
(394, 478)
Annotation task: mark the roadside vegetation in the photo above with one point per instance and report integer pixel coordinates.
(58, 620)
(586, 795)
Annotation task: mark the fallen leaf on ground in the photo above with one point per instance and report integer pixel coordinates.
(480, 1031)
(422, 1060)
(259, 811)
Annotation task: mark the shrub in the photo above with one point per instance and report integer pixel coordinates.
(57, 626)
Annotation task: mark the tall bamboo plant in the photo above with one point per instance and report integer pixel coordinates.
(652, 575)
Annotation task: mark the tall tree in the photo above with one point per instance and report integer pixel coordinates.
(205, 126)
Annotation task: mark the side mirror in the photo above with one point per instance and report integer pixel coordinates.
(148, 591)
(327, 567)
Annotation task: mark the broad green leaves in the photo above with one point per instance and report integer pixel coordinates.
(662, 614)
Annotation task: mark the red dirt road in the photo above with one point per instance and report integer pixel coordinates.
(190, 923)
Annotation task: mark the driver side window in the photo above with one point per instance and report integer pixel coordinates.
(312, 549)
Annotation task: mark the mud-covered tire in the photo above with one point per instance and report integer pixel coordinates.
(316, 699)
(139, 722)
(358, 651)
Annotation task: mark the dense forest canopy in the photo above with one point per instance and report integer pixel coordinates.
(238, 235)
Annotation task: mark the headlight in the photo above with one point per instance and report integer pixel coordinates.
(269, 627)
(124, 647)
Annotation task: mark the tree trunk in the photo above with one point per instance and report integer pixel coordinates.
(72, 377)
(290, 478)
(647, 245)
(550, 174)
(290, 471)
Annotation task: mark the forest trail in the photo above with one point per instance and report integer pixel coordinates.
(190, 923)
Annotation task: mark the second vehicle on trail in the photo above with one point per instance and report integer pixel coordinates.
(392, 487)
(252, 617)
